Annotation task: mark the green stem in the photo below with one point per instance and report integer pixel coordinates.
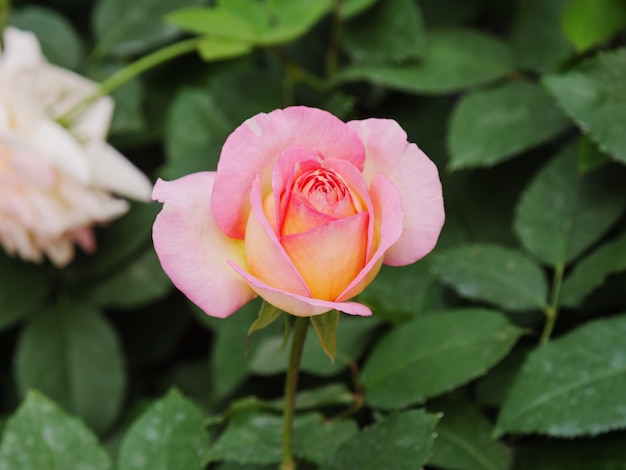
(300, 328)
(332, 53)
(552, 312)
(129, 72)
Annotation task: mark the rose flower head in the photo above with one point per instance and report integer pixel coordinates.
(56, 180)
(303, 210)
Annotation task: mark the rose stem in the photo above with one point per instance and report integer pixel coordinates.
(300, 328)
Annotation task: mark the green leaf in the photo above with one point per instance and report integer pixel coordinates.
(488, 127)
(140, 282)
(501, 276)
(399, 442)
(59, 40)
(589, 156)
(459, 344)
(212, 48)
(124, 28)
(352, 8)
(214, 22)
(256, 438)
(73, 355)
(41, 436)
(291, 19)
(456, 59)
(170, 435)
(23, 288)
(536, 37)
(333, 394)
(492, 389)
(371, 38)
(464, 440)
(562, 213)
(593, 270)
(353, 337)
(587, 23)
(592, 95)
(325, 326)
(572, 386)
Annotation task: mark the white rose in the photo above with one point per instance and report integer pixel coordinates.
(56, 182)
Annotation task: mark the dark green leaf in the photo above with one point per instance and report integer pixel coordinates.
(455, 60)
(495, 274)
(124, 28)
(328, 395)
(492, 389)
(293, 18)
(372, 36)
(400, 442)
(325, 326)
(488, 127)
(593, 270)
(59, 41)
(399, 293)
(256, 438)
(23, 288)
(464, 440)
(459, 344)
(40, 436)
(572, 386)
(589, 156)
(537, 38)
(600, 453)
(73, 355)
(562, 213)
(170, 435)
(587, 23)
(592, 95)
(142, 281)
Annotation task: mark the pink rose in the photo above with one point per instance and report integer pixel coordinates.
(302, 210)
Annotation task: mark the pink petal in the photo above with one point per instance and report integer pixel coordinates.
(417, 179)
(330, 256)
(297, 304)
(266, 257)
(253, 148)
(387, 212)
(193, 251)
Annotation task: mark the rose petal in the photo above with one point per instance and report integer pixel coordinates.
(193, 250)
(266, 258)
(387, 203)
(297, 304)
(330, 256)
(113, 172)
(254, 146)
(417, 179)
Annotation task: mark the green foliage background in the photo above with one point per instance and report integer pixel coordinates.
(505, 348)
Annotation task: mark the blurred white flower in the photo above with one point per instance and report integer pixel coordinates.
(56, 181)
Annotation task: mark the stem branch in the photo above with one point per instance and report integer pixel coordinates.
(300, 328)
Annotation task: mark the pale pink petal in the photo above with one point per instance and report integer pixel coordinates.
(21, 50)
(388, 215)
(113, 172)
(266, 257)
(253, 148)
(192, 249)
(297, 304)
(417, 179)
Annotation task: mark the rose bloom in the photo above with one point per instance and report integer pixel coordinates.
(55, 181)
(303, 210)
